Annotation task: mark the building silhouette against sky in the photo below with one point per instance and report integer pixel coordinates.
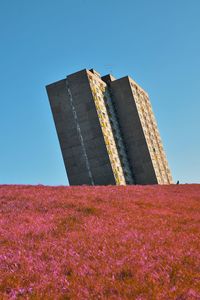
(107, 131)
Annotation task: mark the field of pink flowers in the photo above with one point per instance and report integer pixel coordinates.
(135, 242)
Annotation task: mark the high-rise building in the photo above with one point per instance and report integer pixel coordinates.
(107, 131)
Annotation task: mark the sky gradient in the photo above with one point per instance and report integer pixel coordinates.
(155, 42)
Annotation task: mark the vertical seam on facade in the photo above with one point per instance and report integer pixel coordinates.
(79, 132)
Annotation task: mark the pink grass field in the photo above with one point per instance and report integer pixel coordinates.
(135, 242)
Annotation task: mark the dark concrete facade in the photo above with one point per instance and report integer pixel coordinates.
(79, 131)
(132, 132)
(107, 131)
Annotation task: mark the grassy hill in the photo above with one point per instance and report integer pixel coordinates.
(135, 242)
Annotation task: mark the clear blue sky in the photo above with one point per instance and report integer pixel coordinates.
(156, 42)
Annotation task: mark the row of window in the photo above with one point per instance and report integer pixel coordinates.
(102, 99)
(108, 137)
(150, 130)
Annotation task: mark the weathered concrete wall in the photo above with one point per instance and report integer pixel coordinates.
(79, 131)
(132, 132)
(107, 131)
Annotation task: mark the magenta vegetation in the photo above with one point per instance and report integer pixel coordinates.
(135, 242)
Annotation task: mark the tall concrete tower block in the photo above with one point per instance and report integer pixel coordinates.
(107, 131)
